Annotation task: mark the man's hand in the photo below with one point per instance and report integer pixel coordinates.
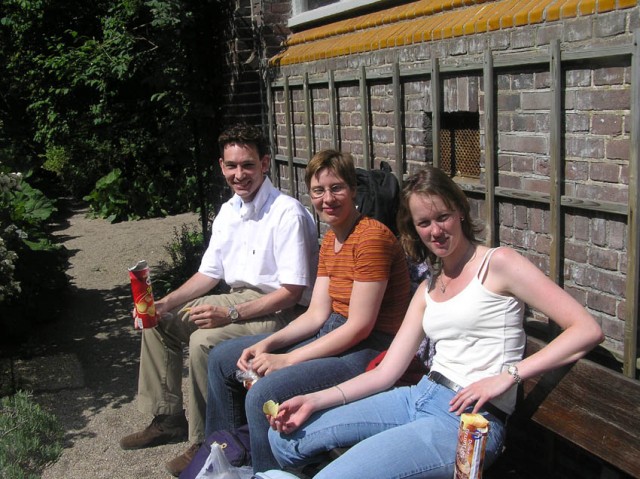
(207, 316)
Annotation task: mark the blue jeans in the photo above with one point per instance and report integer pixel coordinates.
(403, 432)
(230, 405)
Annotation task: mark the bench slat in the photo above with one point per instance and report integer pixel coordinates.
(589, 405)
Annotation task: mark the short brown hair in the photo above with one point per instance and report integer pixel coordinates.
(340, 163)
(243, 134)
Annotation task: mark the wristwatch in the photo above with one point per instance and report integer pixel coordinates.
(513, 370)
(232, 313)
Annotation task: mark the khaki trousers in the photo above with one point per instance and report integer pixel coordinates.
(161, 357)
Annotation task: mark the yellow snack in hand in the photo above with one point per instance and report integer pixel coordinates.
(270, 408)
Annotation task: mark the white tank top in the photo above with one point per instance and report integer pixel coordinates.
(477, 334)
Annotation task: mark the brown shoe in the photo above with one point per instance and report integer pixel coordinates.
(162, 430)
(178, 464)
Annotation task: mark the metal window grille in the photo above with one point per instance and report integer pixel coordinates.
(460, 144)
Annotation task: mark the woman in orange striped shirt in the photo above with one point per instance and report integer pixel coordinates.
(360, 296)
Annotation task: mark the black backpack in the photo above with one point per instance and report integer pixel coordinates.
(378, 194)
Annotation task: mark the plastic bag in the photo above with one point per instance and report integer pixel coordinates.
(274, 474)
(247, 378)
(217, 466)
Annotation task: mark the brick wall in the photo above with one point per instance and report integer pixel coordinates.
(596, 111)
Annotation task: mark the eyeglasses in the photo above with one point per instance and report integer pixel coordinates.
(338, 189)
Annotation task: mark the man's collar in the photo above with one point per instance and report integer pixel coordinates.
(247, 210)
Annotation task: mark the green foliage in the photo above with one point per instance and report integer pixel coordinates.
(130, 85)
(30, 438)
(32, 266)
(9, 286)
(185, 253)
(108, 199)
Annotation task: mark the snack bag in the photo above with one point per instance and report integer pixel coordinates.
(145, 315)
(247, 378)
(472, 442)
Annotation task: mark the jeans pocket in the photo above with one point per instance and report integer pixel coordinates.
(334, 321)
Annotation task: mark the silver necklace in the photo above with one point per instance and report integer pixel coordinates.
(443, 285)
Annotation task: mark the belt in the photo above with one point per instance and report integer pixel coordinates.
(496, 412)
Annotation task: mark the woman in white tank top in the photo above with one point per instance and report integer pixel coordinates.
(473, 311)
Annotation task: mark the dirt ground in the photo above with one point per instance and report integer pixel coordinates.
(87, 372)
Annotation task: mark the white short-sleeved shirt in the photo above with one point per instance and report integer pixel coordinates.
(263, 244)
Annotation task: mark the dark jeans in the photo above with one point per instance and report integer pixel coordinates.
(230, 405)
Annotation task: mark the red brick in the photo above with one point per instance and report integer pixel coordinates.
(522, 164)
(524, 122)
(521, 217)
(609, 76)
(577, 122)
(613, 328)
(523, 143)
(580, 295)
(584, 147)
(603, 258)
(575, 251)
(603, 124)
(617, 235)
(576, 78)
(581, 228)
(505, 217)
(536, 100)
(601, 302)
(618, 149)
(602, 192)
(536, 184)
(543, 244)
(608, 172)
(595, 100)
(576, 170)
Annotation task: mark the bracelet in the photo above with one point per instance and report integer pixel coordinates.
(344, 398)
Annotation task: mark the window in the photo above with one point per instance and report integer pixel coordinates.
(307, 12)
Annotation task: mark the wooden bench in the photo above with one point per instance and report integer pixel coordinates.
(583, 419)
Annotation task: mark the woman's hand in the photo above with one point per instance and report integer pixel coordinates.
(292, 414)
(477, 394)
(249, 354)
(266, 363)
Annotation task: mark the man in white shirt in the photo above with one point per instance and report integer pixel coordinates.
(264, 246)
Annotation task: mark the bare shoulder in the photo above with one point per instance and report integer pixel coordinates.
(508, 269)
(505, 256)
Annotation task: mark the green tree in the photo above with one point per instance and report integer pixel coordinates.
(129, 86)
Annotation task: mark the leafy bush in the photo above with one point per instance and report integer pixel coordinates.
(124, 197)
(9, 287)
(32, 266)
(185, 253)
(30, 438)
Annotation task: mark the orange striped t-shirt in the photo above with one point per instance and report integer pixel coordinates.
(370, 253)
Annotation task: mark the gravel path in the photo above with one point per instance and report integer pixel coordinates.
(88, 372)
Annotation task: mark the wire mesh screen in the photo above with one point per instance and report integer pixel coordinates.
(460, 144)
